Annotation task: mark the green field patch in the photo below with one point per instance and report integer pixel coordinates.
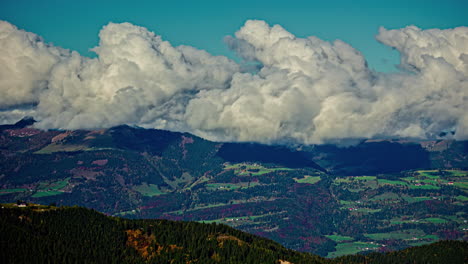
(453, 218)
(40, 194)
(352, 248)
(462, 198)
(8, 191)
(428, 173)
(463, 185)
(410, 199)
(409, 179)
(431, 237)
(353, 185)
(342, 180)
(338, 238)
(431, 176)
(148, 189)
(425, 187)
(254, 172)
(59, 184)
(53, 186)
(391, 182)
(457, 173)
(365, 178)
(444, 173)
(435, 220)
(262, 171)
(347, 202)
(431, 181)
(46, 188)
(245, 169)
(308, 179)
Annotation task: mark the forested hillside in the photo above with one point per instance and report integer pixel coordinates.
(39, 234)
(48, 234)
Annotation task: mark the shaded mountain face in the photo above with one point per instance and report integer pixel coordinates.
(322, 199)
(372, 158)
(27, 121)
(251, 152)
(142, 140)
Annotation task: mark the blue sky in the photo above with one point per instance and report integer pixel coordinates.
(203, 24)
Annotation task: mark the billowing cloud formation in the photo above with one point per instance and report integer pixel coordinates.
(137, 78)
(25, 65)
(306, 91)
(313, 91)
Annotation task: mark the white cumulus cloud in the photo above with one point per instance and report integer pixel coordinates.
(25, 64)
(306, 90)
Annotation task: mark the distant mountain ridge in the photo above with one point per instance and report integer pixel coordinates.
(321, 199)
(25, 122)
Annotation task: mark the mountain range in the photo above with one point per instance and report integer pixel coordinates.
(377, 195)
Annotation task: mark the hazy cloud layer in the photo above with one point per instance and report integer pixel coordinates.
(306, 91)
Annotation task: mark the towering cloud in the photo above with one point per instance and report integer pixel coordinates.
(306, 91)
(137, 78)
(313, 91)
(25, 65)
